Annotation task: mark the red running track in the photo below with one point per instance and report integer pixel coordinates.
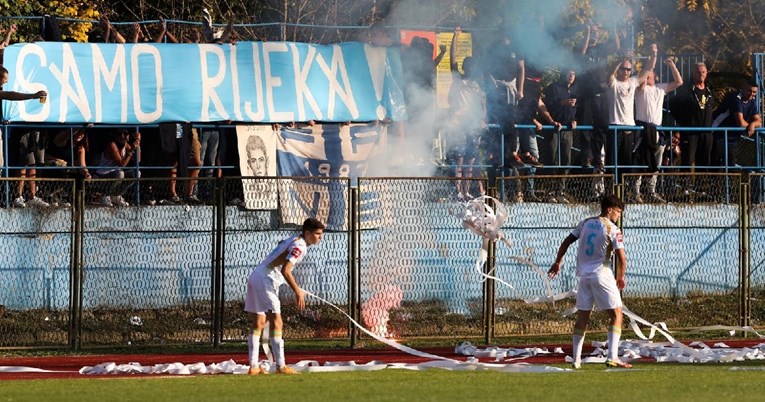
(69, 366)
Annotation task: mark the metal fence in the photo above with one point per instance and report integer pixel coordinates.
(395, 257)
(752, 285)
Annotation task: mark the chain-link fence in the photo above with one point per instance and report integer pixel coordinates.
(149, 268)
(683, 256)
(146, 264)
(540, 216)
(416, 261)
(275, 209)
(37, 239)
(756, 248)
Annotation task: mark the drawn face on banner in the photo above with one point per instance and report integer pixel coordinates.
(257, 156)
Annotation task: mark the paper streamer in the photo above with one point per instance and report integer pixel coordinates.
(480, 218)
(386, 341)
(25, 369)
(312, 366)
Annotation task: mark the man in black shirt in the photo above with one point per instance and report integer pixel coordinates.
(561, 98)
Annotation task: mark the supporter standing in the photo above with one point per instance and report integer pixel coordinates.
(621, 109)
(111, 35)
(531, 111)
(467, 110)
(561, 98)
(31, 144)
(180, 151)
(591, 104)
(693, 106)
(649, 102)
(209, 140)
(419, 73)
(507, 76)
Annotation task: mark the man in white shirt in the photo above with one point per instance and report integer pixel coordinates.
(621, 105)
(649, 102)
(598, 238)
(262, 300)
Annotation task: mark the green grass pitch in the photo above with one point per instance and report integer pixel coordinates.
(646, 382)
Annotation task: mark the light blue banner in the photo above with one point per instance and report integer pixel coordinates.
(329, 150)
(248, 82)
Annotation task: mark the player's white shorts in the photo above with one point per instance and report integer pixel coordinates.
(599, 291)
(262, 295)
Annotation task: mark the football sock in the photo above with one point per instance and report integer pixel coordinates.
(265, 341)
(614, 333)
(578, 343)
(253, 345)
(277, 344)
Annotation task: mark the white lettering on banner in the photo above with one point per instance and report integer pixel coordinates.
(136, 52)
(274, 81)
(109, 75)
(235, 82)
(30, 86)
(150, 83)
(376, 56)
(301, 86)
(210, 83)
(345, 92)
(260, 114)
(69, 71)
(358, 142)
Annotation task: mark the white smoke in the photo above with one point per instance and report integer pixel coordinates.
(549, 35)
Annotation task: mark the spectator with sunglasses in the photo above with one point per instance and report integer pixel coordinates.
(620, 96)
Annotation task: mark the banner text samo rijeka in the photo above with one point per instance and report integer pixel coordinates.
(248, 82)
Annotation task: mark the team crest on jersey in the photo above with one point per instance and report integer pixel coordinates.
(296, 252)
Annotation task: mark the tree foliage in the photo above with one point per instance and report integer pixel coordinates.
(726, 32)
(29, 29)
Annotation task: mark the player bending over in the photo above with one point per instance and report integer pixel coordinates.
(262, 301)
(598, 238)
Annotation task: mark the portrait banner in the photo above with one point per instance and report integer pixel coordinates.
(324, 151)
(257, 158)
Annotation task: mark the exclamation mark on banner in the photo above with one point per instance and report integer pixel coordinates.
(376, 56)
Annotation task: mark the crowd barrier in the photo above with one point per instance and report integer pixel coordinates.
(395, 256)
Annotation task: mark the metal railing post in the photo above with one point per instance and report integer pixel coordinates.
(744, 249)
(354, 292)
(490, 286)
(218, 262)
(75, 268)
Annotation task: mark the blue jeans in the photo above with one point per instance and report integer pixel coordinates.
(208, 151)
(528, 143)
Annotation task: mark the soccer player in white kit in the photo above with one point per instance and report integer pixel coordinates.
(598, 237)
(262, 300)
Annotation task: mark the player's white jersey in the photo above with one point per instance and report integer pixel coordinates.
(292, 249)
(598, 237)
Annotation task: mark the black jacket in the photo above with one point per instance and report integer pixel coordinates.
(686, 108)
(553, 96)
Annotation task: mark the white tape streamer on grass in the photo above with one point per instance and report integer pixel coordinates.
(231, 367)
(386, 341)
(25, 369)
